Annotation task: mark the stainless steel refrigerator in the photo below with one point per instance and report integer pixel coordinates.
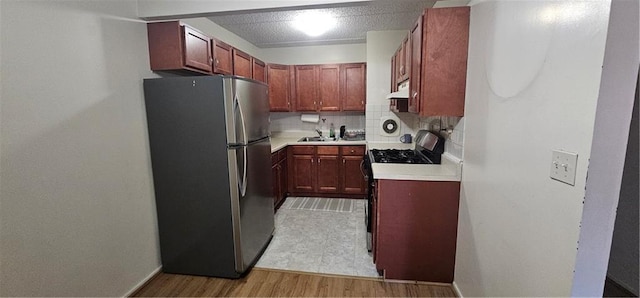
(211, 161)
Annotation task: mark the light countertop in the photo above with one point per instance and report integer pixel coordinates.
(449, 170)
(281, 140)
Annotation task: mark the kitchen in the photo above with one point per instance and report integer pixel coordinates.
(77, 193)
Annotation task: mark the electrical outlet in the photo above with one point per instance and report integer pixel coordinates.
(563, 166)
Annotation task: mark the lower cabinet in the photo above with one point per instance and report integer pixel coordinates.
(279, 173)
(414, 229)
(326, 171)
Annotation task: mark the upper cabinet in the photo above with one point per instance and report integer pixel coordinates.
(222, 57)
(242, 65)
(259, 70)
(439, 45)
(353, 86)
(175, 46)
(330, 87)
(306, 82)
(278, 78)
(403, 61)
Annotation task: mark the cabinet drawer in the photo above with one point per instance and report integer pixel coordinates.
(274, 158)
(352, 150)
(328, 150)
(303, 149)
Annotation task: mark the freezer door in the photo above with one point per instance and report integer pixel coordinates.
(249, 102)
(253, 205)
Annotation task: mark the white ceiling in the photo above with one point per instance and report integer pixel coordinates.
(269, 29)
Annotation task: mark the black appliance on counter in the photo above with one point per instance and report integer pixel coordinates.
(428, 150)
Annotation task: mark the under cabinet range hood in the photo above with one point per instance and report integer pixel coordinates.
(402, 93)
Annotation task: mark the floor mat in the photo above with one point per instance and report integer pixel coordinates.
(320, 204)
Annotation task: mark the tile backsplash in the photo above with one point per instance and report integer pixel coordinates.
(291, 121)
(409, 123)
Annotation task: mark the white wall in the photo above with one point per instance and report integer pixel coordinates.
(381, 45)
(534, 73)
(78, 213)
(614, 106)
(345, 53)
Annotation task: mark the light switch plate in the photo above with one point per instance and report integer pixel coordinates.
(563, 166)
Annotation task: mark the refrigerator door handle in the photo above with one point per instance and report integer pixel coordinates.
(242, 180)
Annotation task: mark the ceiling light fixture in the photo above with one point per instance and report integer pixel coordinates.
(314, 23)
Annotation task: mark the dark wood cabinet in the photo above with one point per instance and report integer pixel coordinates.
(306, 88)
(402, 61)
(259, 70)
(222, 57)
(279, 81)
(353, 86)
(326, 171)
(328, 87)
(353, 181)
(177, 47)
(439, 48)
(279, 173)
(415, 229)
(242, 65)
(331, 87)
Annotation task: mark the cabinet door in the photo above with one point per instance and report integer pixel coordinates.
(303, 173)
(279, 87)
(275, 173)
(394, 79)
(241, 64)
(354, 182)
(444, 61)
(283, 179)
(197, 49)
(327, 176)
(222, 57)
(306, 85)
(354, 86)
(416, 67)
(329, 87)
(407, 54)
(259, 70)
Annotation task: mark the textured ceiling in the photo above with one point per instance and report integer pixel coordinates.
(273, 28)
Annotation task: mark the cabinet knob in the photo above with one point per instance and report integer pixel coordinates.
(353, 151)
(415, 94)
(217, 62)
(343, 161)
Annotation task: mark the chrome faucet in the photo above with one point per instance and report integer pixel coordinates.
(319, 132)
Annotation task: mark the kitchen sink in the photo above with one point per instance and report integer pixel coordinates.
(316, 139)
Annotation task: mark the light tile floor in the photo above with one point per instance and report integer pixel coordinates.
(320, 242)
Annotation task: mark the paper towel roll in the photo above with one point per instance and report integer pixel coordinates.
(312, 118)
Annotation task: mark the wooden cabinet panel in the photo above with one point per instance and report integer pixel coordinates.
(327, 178)
(354, 86)
(329, 87)
(197, 49)
(222, 57)
(306, 87)
(439, 48)
(279, 87)
(302, 177)
(404, 207)
(352, 150)
(259, 70)
(242, 64)
(416, 66)
(174, 46)
(279, 173)
(353, 180)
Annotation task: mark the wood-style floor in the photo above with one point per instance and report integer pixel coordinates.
(279, 283)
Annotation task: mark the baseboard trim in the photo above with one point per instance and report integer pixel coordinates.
(143, 282)
(456, 289)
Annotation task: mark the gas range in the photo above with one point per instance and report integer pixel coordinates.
(406, 156)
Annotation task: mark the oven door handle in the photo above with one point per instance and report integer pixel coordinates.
(363, 171)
